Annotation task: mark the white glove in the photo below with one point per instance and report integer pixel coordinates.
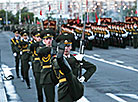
(21, 52)
(82, 79)
(14, 54)
(91, 37)
(79, 57)
(76, 37)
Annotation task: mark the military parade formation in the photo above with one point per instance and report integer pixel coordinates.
(49, 47)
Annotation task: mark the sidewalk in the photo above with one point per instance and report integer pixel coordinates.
(3, 97)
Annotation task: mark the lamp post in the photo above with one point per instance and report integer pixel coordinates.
(6, 13)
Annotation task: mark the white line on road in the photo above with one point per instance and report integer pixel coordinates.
(7, 72)
(133, 96)
(112, 63)
(96, 55)
(118, 61)
(115, 97)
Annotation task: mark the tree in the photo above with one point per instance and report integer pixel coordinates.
(26, 17)
(3, 16)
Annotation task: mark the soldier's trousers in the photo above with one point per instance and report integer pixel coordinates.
(89, 45)
(76, 89)
(22, 67)
(38, 86)
(25, 68)
(49, 90)
(67, 98)
(17, 65)
(135, 41)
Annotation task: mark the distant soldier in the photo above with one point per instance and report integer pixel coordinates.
(66, 68)
(89, 36)
(25, 58)
(135, 36)
(36, 65)
(16, 49)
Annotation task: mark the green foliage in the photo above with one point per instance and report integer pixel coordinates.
(26, 17)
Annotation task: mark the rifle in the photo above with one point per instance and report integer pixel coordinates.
(81, 51)
(60, 24)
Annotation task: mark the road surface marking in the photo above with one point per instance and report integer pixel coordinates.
(7, 71)
(118, 61)
(112, 63)
(115, 97)
(133, 96)
(96, 55)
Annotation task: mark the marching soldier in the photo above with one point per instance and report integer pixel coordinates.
(16, 49)
(66, 68)
(135, 36)
(89, 38)
(105, 37)
(46, 79)
(36, 65)
(25, 58)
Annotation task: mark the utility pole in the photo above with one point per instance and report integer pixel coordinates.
(6, 13)
(121, 10)
(19, 15)
(81, 12)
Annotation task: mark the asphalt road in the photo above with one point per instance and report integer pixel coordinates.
(116, 78)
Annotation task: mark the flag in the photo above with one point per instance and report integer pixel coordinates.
(49, 7)
(78, 21)
(96, 17)
(41, 12)
(87, 3)
(38, 22)
(28, 18)
(60, 5)
(136, 12)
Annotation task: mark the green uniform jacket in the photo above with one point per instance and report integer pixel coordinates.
(47, 71)
(25, 48)
(63, 88)
(15, 45)
(35, 58)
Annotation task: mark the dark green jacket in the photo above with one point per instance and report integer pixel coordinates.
(35, 58)
(63, 88)
(46, 73)
(15, 45)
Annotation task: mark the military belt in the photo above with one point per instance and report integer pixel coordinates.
(135, 33)
(62, 80)
(47, 66)
(26, 50)
(36, 59)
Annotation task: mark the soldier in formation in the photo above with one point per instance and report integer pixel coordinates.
(15, 45)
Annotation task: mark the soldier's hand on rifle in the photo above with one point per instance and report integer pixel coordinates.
(82, 79)
(76, 37)
(60, 49)
(54, 47)
(21, 52)
(79, 57)
(15, 54)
